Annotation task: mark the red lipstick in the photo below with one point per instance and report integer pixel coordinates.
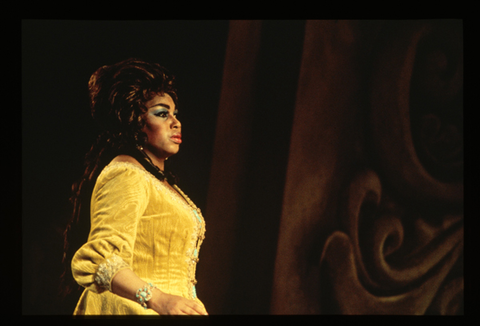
(176, 138)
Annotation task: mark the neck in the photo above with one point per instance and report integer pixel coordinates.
(159, 162)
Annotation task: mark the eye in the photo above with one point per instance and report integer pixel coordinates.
(161, 114)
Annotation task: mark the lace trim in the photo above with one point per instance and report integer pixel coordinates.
(107, 269)
(196, 240)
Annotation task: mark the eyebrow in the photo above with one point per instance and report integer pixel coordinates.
(161, 104)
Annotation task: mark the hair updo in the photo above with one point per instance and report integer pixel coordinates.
(118, 94)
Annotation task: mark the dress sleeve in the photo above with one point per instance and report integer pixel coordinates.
(119, 199)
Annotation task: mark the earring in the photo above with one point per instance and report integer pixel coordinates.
(135, 137)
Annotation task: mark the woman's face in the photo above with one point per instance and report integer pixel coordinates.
(162, 128)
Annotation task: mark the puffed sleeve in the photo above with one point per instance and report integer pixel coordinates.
(119, 199)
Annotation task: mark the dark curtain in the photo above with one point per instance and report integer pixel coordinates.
(337, 172)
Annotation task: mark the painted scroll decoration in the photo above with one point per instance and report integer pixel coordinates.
(400, 247)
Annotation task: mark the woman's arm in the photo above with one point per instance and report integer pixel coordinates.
(126, 283)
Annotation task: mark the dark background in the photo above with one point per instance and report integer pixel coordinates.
(58, 58)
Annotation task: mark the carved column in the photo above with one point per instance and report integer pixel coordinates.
(248, 165)
(228, 176)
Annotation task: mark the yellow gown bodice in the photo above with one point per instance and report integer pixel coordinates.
(140, 223)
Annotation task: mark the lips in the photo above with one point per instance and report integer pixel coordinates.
(176, 138)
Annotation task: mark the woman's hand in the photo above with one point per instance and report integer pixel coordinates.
(168, 304)
(125, 284)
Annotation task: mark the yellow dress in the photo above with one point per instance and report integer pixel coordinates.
(137, 222)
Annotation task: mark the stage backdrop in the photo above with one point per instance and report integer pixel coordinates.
(337, 170)
(326, 156)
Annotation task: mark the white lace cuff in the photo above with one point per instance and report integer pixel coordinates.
(107, 270)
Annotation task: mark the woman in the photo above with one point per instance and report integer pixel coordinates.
(145, 233)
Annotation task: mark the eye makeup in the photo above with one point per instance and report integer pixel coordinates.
(162, 113)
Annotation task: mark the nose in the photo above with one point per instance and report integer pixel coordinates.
(176, 123)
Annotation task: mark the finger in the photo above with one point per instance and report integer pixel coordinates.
(179, 311)
(199, 309)
(194, 309)
(189, 311)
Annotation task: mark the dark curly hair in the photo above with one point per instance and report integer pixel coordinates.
(118, 94)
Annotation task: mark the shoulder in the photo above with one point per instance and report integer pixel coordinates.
(123, 166)
(121, 180)
(126, 158)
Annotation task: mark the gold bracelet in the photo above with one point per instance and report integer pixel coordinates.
(144, 294)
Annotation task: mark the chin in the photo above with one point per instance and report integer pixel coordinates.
(170, 155)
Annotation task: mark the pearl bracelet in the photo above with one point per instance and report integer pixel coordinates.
(144, 294)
